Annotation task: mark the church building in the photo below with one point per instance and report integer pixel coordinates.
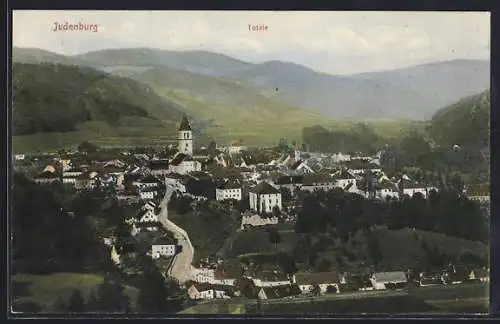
(183, 161)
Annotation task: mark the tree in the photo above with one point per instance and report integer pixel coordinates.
(212, 147)
(111, 297)
(76, 302)
(87, 148)
(274, 237)
(315, 290)
(153, 293)
(286, 194)
(276, 211)
(92, 303)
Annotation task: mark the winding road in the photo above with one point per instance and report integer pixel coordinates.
(181, 268)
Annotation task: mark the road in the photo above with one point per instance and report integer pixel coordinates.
(181, 268)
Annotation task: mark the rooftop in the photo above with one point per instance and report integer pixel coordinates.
(264, 188)
(316, 278)
(184, 125)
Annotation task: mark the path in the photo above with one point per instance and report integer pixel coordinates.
(181, 268)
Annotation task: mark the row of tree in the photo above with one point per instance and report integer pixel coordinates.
(444, 212)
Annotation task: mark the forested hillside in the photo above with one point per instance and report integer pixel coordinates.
(465, 123)
(57, 98)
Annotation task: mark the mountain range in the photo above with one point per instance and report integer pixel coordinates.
(217, 82)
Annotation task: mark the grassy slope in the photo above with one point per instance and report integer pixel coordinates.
(234, 110)
(44, 290)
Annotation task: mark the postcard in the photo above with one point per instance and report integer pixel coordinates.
(250, 163)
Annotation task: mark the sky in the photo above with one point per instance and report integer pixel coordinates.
(332, 42)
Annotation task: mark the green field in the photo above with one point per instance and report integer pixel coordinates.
(250, 131)
(45, 290)
(471, 298)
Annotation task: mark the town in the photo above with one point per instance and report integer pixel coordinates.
(270, 191)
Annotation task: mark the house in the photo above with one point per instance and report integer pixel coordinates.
(19, 157)
(149, 181)
(204, 275)
(306, 281)
(313, 182)
(128, 194)
(86, 181)
(270, 278)
(183, 164)
(343, 178)
(139, 227)
(159, 250)
(146, 216)
(197, 291)
(482, 275)
(227, 274)
(355, 282)
(228, 190)
(431, 279)
(176, 181)
(388, 280)
(264, 197)
(409, 187)
(116, 163)
(46, 177)
(148, 193)
(69, 175)
(386, 189)
(283, 291)
(150, 205)
(292, 182)
(480, 192)
(301, 167)
(158, 168)
(254, 220)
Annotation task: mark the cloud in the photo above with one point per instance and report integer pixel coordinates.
(333, 42)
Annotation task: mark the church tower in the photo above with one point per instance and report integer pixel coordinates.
(185, 137)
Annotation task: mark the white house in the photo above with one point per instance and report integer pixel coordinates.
(176, 181)
(410, 188)
(183, 164)
(306, 281)
(69, 176)
(158, 168)
(151, 206)
(380, 280)
(146, 216)
(256, 220)
(301, 167)
(264, 197)
(313, 182)
(340, 157)
(270, 278)
(163, 250)
(149, 181)
(343, 178)
(148, 193)
(199, 291)
(204, 275)
(19, 157)
(228, 190)
(386, 189)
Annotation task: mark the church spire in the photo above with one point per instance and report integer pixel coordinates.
(184, 126)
